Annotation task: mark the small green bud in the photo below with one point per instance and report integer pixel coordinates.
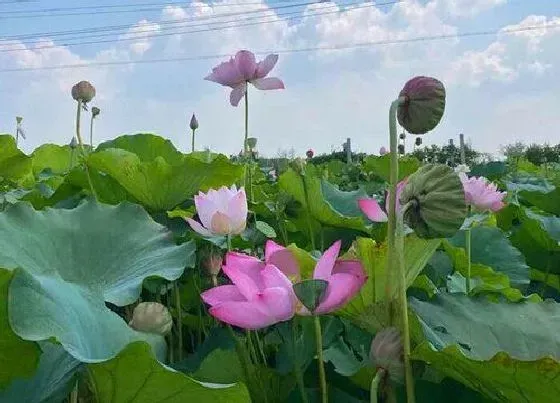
(95, 111)
(401, 149)
(418, 141)
(251, 142)
(193, 123)
(73, 143)
(435, 201)
(19, 119)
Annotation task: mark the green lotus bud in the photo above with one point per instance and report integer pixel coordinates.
(435, 201)
(151, 317)
(19, 119)
(418, 141)
(73, 143)
(251, 142)
(386, 352)
(193, 123)
(95, 111)
(401, 149)
(423, 104)
(402, 136)
(83, 91)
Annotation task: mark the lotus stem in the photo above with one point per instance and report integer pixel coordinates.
(192, 140)
(395, 243)
(320, 363)
(245, 145)
(469, 264)
(91, 131)
(78, 115)
(74, 394)
(309, 224)
(374, 388)
(179, 309)
(297, 368)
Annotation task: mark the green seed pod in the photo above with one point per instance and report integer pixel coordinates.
(423, 104)
(19, 119)
(401, 149)
(251, 142)
(95, 111)
(83, 91)
(418, 141)
(437, 202)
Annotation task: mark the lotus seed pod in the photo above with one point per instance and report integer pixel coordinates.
(83, 91)
(73, 143)
(213, 264)
(251, 142)
(95, 111)
(401, 149)
(310, 153)
(193, 123)
(418, 141)
(19, 119)
(402, 136)
(436, 200)
(386, 352)
(151, 317)
(422, 106)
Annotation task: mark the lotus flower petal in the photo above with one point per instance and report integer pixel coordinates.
(372, 210)
(326, 263)
(269, 83)
(265, 66)
(282, 258)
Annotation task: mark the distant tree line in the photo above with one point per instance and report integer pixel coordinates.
(537, 154)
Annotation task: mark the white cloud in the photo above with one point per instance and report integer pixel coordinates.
(143, 31)
(467, 8)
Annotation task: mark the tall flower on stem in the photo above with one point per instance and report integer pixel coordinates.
(193, 124)
(241, 70)
(480, 195)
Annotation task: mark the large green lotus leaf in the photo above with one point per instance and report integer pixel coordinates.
(538, 237)
(53, 156)
(528, 183)
(71, 261)
(18, 358)
(343, 202)
(51, 383)
(508, 351)
(319, 206)
(146, 146)
(136, 376)
(14, 164)
(107, 189)
(157, 184)
(367, 309)
(490, 247)
(381, 166)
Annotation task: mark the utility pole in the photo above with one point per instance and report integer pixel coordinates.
(452, 156)
(462, 145)
(348, 149)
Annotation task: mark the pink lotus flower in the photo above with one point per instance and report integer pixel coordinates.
(260, 296)
(345, 277)
(383, 151)
(481, 194)
(243, 69)
(221, 212)
(372, 209)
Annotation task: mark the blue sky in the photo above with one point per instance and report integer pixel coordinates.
(501, 88)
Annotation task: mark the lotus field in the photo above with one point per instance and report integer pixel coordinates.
(133, 272)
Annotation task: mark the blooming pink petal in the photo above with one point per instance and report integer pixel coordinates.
(226, 73)
(277, 302)
(325, 265)
(265, 66)
(400, 187)
(237, 210)
(205, 209)
(341, 289)
(248, 265)
(237, 93)
(246, 64)
(195, 225)
(282, 258)
(353, 267)
(244, 283)
(372, 210)
(269, 83)
(242, 314)
(481, 194)
(221, 294)
(273, 277)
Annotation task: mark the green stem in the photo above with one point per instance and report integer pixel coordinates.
(245, 145)
(260, 347)
(91, 132)
(74, 394)
(308, 215)
(192, 140)
(78, 114)
(229, 248)
(319, 344)
(171, 355)
(468, 249)
(395, 243)
(297, 368)
(374, 388)
(179, 309)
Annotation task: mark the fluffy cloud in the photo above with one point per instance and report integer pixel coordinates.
(142, 34)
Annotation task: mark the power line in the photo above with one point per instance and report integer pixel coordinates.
(296, 50)
(165, 23)
(144, 36)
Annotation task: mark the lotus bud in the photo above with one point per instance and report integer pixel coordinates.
(194, 123)
(402, 136)
(386, 352)
(251, 142)
(434, 201)
(95, 111)
(19, 119)
(83, 91)
(310, 153)
(401, 149)
(213, 264)
(151, 317)
(418, 141)
(383, 151)
(298, 165)
(73, 143)
(422, 106)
